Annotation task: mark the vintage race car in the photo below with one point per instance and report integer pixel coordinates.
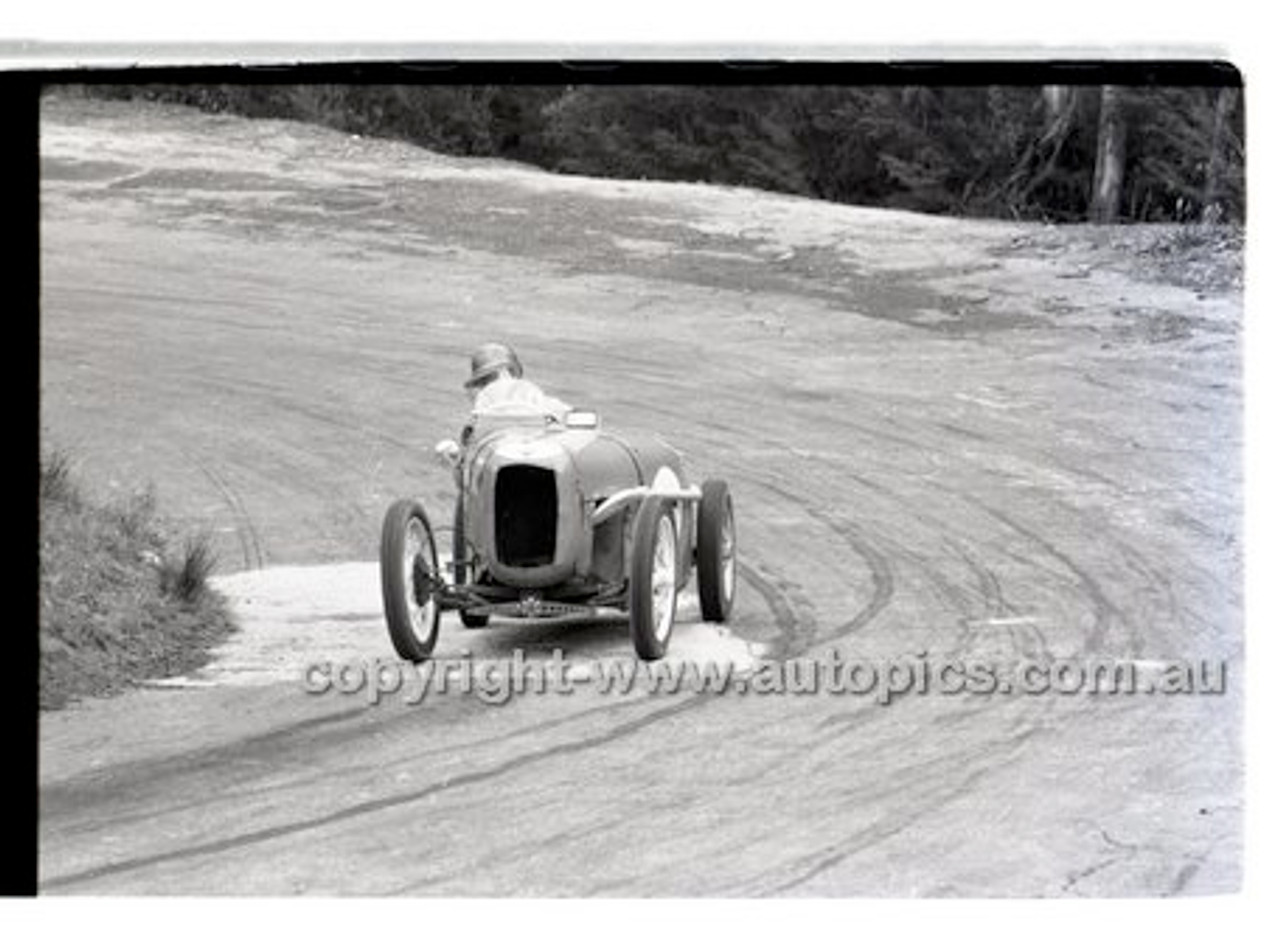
(560, 520)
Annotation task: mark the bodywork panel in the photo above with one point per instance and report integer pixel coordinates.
(521, 477)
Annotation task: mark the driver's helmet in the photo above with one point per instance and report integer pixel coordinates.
(489, 360)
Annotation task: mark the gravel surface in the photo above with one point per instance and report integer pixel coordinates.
(947, 440)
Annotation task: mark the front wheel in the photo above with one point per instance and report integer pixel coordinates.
(717, 566)
(410, 580)
(653, 579)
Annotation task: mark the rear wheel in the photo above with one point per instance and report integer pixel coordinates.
(653, 579)
(461, 562)
(410, 580)
(717, 565)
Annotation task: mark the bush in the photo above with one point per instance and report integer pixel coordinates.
(117, 605)
(55, 479)
(187, 578)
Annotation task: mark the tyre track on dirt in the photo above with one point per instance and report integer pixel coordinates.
(881, 572)
(148, 777)
(928, 788)
(283, 743)
(932, 792)
(1107, 616)
(911, 792)
(246, 531)
(894, 529)
(800, 633)
(572, 836)
(246, 839)
(1027, 638)
(774, 596)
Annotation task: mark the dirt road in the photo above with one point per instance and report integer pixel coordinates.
(948, 441)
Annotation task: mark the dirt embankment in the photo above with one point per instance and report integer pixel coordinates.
(118, 602)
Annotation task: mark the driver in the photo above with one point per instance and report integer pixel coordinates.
(497, 385)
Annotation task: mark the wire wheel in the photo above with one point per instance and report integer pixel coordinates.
(653, 579)
(410, 580)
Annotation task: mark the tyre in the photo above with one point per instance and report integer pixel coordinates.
(460, 565)
(653, 578)
(410, 579)
(716, 544)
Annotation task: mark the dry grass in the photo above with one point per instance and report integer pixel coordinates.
(117, 604)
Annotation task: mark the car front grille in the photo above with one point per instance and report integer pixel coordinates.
(525, 509)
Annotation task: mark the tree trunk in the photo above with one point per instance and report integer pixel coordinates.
(1211, 210)
(1108, 166)
(1058, 99)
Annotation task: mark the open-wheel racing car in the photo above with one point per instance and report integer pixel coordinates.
(558, 521)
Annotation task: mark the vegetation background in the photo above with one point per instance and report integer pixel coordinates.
(1104, 153)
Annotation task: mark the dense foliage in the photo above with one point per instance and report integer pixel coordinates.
(995, 151)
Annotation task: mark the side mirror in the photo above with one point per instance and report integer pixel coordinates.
(581, 419)
(448, 452)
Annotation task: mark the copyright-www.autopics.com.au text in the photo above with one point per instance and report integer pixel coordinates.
(497, 681)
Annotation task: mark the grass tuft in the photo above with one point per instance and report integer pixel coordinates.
(187, 578)
(56, 484)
